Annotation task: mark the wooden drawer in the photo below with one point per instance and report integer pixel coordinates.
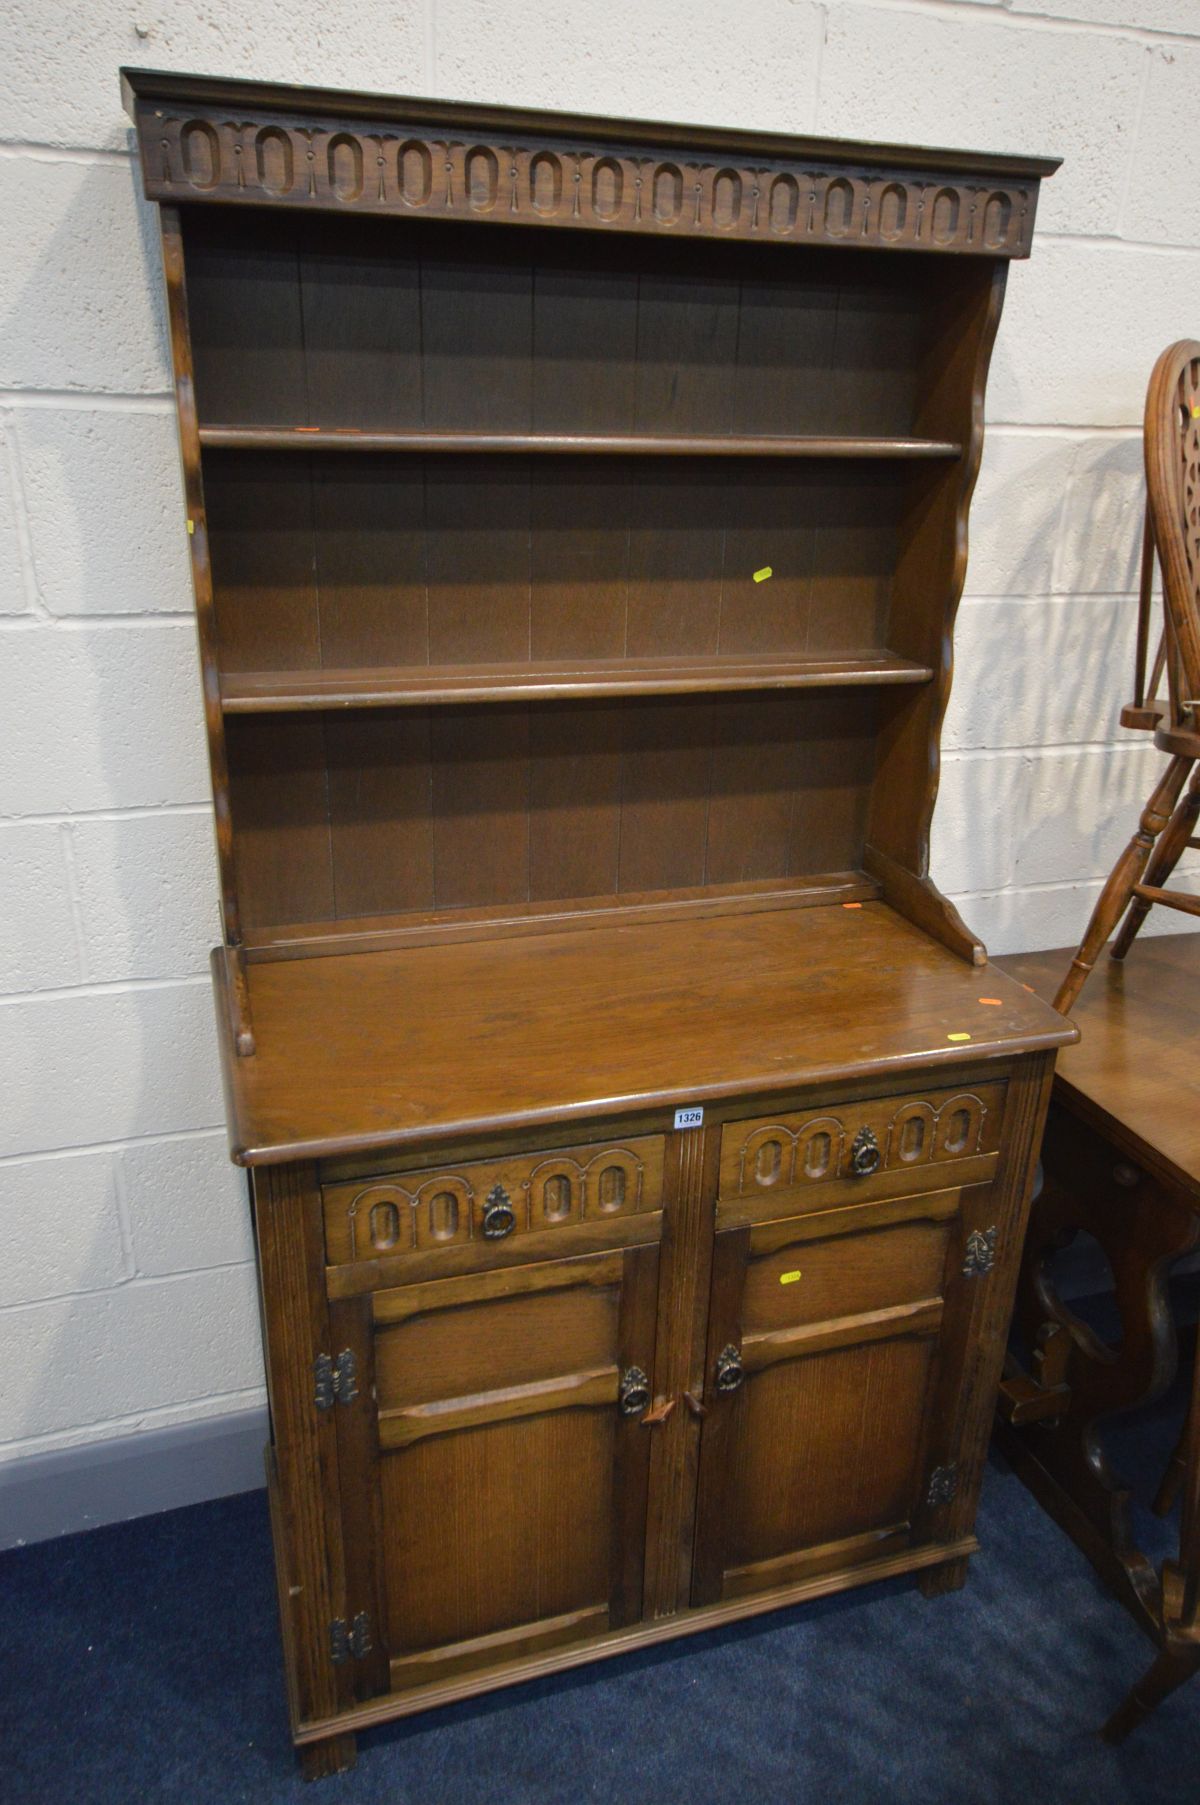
(820, 1159)
(491, 1203)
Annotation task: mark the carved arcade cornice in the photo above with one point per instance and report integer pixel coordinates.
(497, 173)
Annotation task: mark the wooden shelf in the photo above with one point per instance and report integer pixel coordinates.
(418, 686)
(332, 438)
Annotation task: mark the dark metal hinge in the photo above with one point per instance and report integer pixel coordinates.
(350, 1644)
(943, 1483)
(335, 1381)
(981, 1252)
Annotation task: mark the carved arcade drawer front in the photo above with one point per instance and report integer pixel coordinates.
(816, 1159)
(487, 1203)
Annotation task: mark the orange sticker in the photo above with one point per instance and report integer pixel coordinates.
(994, 1001)
(852, 905)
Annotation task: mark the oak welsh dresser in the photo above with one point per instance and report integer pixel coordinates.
(640, 1144)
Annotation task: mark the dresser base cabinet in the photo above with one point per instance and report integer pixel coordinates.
(577, 511)
(495, 1457)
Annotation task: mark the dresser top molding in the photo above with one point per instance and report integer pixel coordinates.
(233, 142)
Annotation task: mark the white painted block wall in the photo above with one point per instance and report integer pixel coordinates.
(126, 1289)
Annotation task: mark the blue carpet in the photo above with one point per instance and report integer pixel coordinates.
(142, 1662)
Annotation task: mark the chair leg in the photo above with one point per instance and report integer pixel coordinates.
(1167, 1674)
(1124, 875)
(1171, 846)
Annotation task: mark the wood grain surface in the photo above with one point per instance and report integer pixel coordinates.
(1135, 1072)
(362, 1050)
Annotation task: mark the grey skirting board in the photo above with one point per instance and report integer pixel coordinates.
(55, 1494)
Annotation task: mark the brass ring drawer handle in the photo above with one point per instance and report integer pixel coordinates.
(499, 1217)
(865, 1156)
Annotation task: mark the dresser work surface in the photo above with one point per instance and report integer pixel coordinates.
(355, 1051)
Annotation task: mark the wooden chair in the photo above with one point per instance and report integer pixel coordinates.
(1172, 531)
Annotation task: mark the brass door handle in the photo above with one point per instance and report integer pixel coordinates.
(730, 1371)
(694, 1405)
(659, 1414)
(633, 1393)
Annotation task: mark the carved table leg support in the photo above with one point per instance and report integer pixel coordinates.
(1142, 1227)
(1179, 1658)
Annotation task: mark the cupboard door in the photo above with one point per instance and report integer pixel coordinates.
(510, 1460)
(824, 1345)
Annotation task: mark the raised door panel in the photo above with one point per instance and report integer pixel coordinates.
(826, 1336)
(508, 1461)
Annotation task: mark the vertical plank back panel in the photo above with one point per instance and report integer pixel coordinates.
(836, 769)
(574, 801)
(476, 333)
(278, 789)
(754, 769)
(875, 351)
(585, 325)
(686, 344)
(380, 811)
(480, 806)
(477, 559)
(855, 511)
(579, 556)
(261, 519)
(370, 560)
(676, 555)
(247, 330)
(785, 341)
(360, 291)
(666, 771)
(770, 526)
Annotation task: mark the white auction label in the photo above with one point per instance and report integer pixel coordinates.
(689, 1118)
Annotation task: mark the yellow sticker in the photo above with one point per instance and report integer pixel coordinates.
(789, 1278)
(958, 1037)
(760, 576)
(191, 526)
(1195, 410)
